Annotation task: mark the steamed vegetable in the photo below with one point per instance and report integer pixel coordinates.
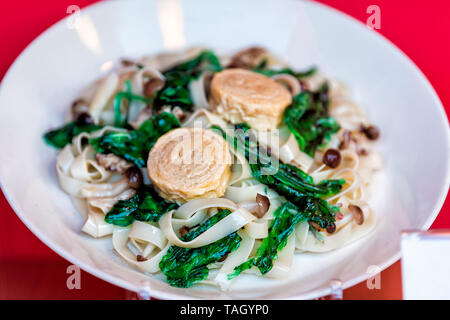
(62, 136)
(185, 266)
(146, 205)
(135, 145)
(308, 120)
(294, 183)
(286, 179)
(283, 223)
(176, 88)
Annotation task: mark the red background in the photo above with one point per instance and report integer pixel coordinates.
(30, 270)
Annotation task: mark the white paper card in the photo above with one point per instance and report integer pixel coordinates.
(426, 265)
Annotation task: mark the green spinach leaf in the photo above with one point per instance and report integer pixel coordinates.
(286, 179)
(308, 120)
(62, 136)
(135, 145)
(146, 205)
(304, 197)
(272, 72)
(176, 88)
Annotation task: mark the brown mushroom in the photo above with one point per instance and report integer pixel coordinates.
(345, 140)
(263, 205)
(127, 62)
(183, 230)
(248, 58)
(362, 151)
(331, 227)
(332, 158)
(84, 118)
(372, 132)
(357, 214)
(140, 258)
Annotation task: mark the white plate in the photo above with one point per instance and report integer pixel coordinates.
(40, 86)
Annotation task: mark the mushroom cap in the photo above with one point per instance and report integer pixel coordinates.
(241, 95)
(190, 163)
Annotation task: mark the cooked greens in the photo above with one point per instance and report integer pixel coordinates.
(146, 205)
(62, 136)
(286, 179)
(185, 266)
(308, 120)
(176, 88)
(128, 95)
(284, 220)
(135, 145)
(305, 201)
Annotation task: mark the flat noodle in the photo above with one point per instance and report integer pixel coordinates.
(100, 95)
(301, 233)
(96, 227)
(291, 153)
(351, 182)
(189, 208)
(142, 231)
(196, 219)
(257, 229)
(198, 93)
(81, 176)
(287, 150)
(104, 94)
(97, 207)
(240, 170)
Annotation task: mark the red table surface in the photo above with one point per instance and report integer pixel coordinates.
(30, 270)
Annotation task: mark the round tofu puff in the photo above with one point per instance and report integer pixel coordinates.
(245, 96)
(190, 163)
